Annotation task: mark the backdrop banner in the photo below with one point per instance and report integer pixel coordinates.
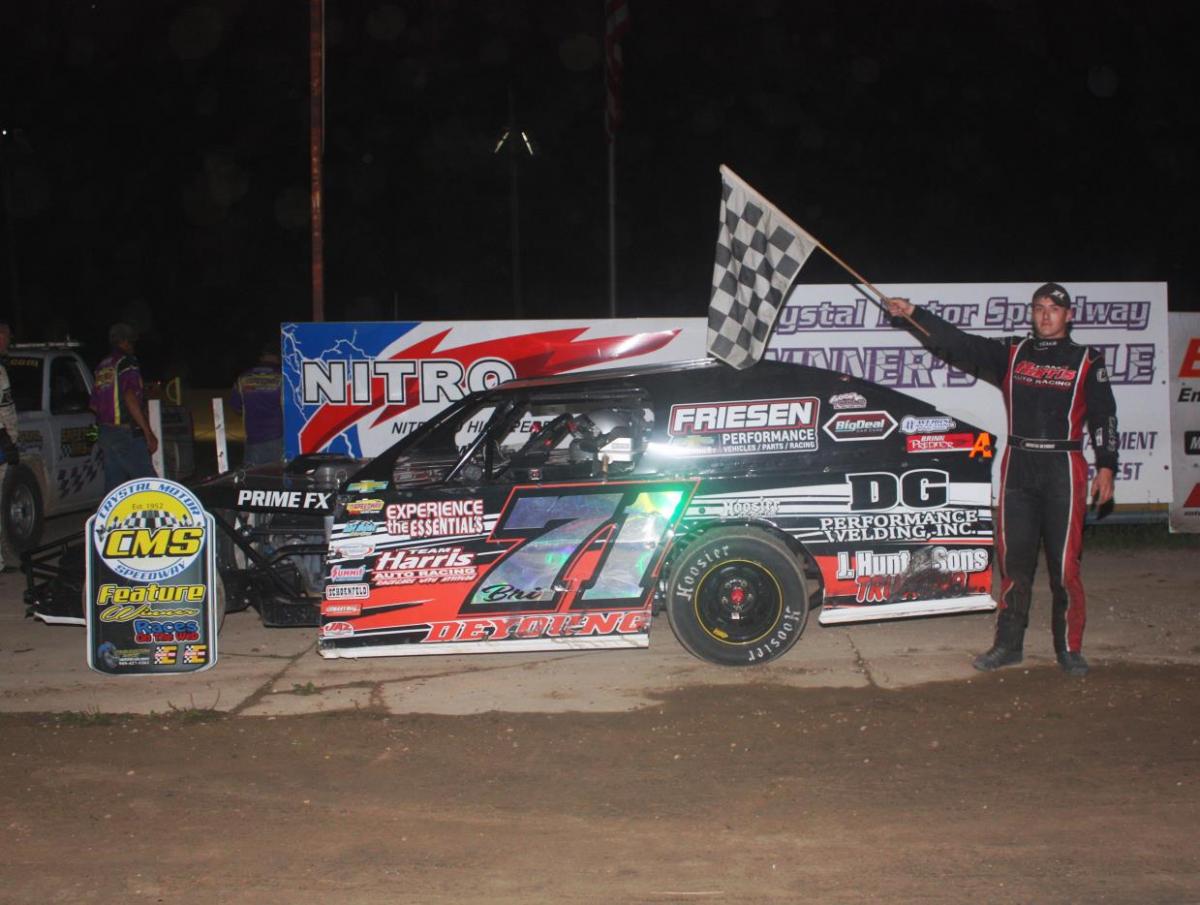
(358, 387)
(1185, 421)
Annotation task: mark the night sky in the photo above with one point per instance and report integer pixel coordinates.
(157, 155)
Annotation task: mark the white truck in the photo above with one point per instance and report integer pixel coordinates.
(60, 468)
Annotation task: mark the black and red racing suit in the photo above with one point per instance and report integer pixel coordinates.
(1051, 387)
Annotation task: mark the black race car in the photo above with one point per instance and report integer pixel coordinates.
(559, 512)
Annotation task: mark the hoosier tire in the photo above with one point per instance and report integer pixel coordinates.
(737, 597)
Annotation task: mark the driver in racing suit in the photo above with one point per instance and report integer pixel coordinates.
(1051, 386)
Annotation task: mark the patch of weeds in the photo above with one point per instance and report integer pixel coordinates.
(194, 714)
(86, 718)
(306, 689)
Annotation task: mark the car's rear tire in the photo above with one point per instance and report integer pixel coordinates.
(21, 509)
(737, 597)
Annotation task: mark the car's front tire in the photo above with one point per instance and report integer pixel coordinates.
(737, 597)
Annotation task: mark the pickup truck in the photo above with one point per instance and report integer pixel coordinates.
(60, 469)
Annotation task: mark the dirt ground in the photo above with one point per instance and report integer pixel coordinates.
(1022, 786)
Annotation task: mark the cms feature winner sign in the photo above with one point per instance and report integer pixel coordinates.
(151, 571)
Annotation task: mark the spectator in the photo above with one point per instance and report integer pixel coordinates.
(126, 440)
(10, 454)
(258, 397)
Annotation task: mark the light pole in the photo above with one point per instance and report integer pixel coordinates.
(518, 144)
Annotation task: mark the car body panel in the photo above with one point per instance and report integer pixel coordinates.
(493, 528)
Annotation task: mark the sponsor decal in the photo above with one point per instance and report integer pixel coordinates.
(356, 528)
(935, 443)
(869, 563)
(1193, 499)
(336, 629)
(364, 507)
(881, 577)
(167, 655)
(366, 486)
(347, 573)
(1191, 443)
(1190, 367)
(842, 401)
(151, 593)
(353, 549)
(303, 500)
(755, 507)
(440, 565)
(1049, 376)
(850, 426)
(922, 488)
(149, 531)
(753, 427)
(927, 424)
(435, 518)
(938, 523)
(982, 446)
(129, 612)
(549, 625)
(150, 631)
(350, 608)
(495, 593)
(348, 592)
(195, 654)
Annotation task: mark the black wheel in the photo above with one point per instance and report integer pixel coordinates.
(22, 510)
(737, 597)
(219, 594)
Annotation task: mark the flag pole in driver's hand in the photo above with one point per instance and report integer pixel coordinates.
(865, 282)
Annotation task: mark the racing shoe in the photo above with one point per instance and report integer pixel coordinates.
(1072, 663)
(997, 657)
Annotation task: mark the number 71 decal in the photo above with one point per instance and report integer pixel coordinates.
(579, 548)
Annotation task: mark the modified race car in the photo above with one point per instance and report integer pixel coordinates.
(560, 512)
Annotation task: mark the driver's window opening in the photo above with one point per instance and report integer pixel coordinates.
(578, 441)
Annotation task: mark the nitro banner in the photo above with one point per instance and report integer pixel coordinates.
(836, 327)
(1185, 421)
(358, 388)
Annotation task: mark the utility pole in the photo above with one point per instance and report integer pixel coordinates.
(316, 147)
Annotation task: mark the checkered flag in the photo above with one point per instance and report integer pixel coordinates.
(759, 253)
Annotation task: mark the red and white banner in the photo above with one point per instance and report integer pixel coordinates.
(1185, 422)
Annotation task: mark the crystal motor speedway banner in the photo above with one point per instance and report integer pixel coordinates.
(836, 327)
(1185, 421)
(151, 571)
(358, 387)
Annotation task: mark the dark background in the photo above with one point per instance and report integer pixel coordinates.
(157, 155)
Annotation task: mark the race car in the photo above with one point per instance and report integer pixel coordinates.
(560, 512)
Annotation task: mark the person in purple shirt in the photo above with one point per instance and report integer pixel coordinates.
(258, 397)
(126, 441)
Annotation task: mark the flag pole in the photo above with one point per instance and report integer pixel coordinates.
(864, 281)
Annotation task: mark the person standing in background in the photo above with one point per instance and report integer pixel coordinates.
(126, 440)
(10, 453)
(258, 397)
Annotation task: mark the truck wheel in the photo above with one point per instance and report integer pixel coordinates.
(21, 510)
(737, 597)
